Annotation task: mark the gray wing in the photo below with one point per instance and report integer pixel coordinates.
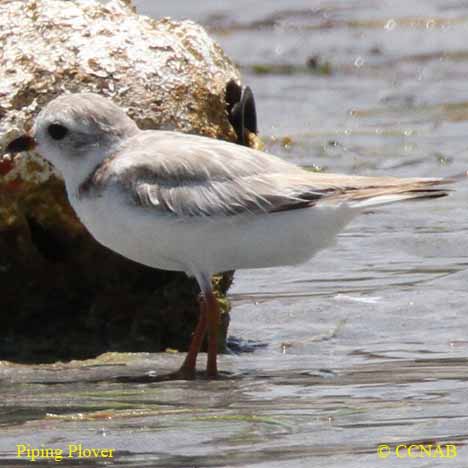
(195, 176)
(189, 175)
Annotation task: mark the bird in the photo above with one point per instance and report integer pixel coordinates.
(182, 202)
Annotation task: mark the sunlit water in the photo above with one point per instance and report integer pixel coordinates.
(365, 344)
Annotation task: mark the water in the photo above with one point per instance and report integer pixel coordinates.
(365, 344)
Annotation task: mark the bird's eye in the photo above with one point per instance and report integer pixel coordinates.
(57, 131)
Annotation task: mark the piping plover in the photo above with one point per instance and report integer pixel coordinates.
(189, 203)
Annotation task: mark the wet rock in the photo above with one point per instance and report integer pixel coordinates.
(62, 295)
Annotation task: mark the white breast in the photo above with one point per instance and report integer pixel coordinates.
(210, 245)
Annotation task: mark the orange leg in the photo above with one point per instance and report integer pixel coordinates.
(207, 320)
(212, 312)
(190, 362)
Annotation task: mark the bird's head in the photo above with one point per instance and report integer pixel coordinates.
(76, 132)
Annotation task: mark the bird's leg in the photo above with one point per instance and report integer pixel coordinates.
(188, 367)
(208, 320)
(212, 313)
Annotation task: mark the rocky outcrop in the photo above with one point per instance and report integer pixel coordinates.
(62, 295)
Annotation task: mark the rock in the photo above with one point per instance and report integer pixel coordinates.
(64, 296)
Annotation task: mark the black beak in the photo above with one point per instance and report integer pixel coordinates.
(22, 143)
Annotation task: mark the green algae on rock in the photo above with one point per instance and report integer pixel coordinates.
(63, 295)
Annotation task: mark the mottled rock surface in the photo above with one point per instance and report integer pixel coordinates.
(62, 295)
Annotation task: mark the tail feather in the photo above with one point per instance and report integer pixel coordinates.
(377, 200)
(376, 194)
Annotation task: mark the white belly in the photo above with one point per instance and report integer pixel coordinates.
(211, 245)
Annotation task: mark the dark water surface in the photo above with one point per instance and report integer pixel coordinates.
(364, 345)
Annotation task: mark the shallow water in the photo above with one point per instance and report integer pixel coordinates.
(365, 344)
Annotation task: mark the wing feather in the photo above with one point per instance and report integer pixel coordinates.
(187, 175)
